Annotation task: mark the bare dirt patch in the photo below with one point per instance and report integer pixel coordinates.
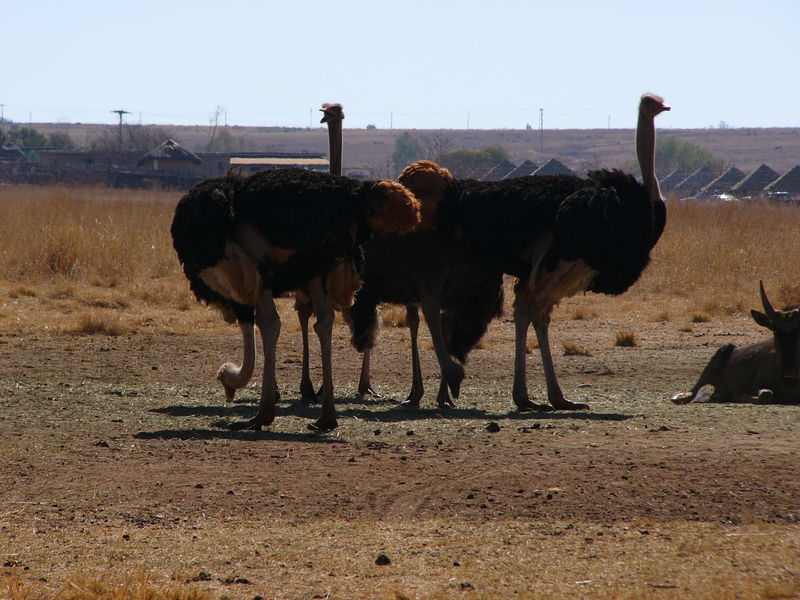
(115, 458)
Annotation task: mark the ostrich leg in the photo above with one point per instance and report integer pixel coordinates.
(451, 371)
(302, 305)
(417, 389)
(324, 330)
(269, 323)
(554, 395)
(233, 377)
(364, 383)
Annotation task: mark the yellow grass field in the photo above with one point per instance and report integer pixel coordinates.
(119, 479)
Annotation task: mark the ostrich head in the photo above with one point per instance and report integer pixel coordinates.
(651, 106)
(331, 112)
(428, 182)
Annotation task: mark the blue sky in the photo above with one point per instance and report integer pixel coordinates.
(402, 64)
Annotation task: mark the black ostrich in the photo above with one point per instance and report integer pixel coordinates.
(459, 293)
(560, 235)
(245, 241)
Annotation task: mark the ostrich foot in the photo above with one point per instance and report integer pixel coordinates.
(445, 403)
(254, 424)
(413, 399)
(564, 404)
(368, 390)
(309, 396)
(526, 405)
(323, 424)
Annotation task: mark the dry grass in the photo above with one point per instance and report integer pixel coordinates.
(572, 349)
(625, 339)
(68, 249)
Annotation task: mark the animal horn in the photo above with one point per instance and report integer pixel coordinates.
(768, 308)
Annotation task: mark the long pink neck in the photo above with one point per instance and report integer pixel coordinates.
(646, 153)
(335, 145)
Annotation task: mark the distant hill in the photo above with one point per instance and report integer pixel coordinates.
(578, 149)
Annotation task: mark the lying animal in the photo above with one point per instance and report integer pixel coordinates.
(762, 373)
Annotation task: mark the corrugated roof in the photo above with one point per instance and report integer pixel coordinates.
(525, 168)
(553, 167)
(283, 162)
(499, 171)
(756, 181)
(171, 150)
(724, 182)
(671, 180)
(694, 182)
(789, 182)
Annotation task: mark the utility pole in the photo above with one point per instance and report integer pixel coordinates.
(120, 113)
(541, 130)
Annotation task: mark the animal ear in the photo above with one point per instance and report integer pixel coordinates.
(761, 319)
(393, 208)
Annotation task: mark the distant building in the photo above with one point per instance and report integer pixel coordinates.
(526, 168)
(690, 186)
(723, 183)
(553, 167)
(756, 182)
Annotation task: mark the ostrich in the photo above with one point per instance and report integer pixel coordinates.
(458, 292)
(560, 235)
(244, 241)
(333, 115)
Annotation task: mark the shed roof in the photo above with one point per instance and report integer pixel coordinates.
(172, 150)
(789, 182)
(499, 171)
(756, 181)
(724, 182)
(525, 168)
(695, 182)
(280, 162)
(553, 167)
(673, 179)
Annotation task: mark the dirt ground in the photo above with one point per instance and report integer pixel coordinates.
(115, 459)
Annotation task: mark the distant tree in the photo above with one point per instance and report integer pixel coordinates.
(675, 153)
(464, 163)
(27, 136)
(371, 126)
(224, 142)
(136, 138)
(61, 140)
(406, 150)
(436, 146)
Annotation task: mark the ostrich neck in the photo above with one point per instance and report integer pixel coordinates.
(646, 153)
(335, 146)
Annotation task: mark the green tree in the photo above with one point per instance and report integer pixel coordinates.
(27, 136)
(61, 140)
(675, 153)
(406, 150)
(464, 163)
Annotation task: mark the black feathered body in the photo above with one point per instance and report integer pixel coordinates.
(428, 264)
(201, 228)
(607, 221)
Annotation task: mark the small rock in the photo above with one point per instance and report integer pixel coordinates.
(383, 560)
(101, 443)
(377, 432)
(199, 486)
(410, 432)
(493, 427)
(467, 587)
